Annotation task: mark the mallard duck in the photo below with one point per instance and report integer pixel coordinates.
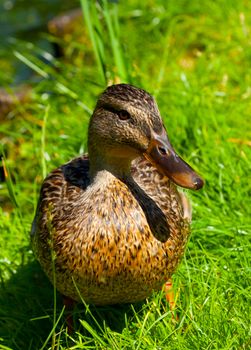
(111, 227)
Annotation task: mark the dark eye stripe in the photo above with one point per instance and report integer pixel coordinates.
(109, 108)
(122, 114)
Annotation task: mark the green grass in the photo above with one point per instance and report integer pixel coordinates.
(194, 57)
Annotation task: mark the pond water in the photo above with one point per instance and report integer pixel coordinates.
(23, 21)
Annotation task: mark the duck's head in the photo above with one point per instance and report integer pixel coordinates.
(126, 124)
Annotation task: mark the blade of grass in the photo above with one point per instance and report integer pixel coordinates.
(43, 160)
(8, 181)
(3, 347)
(53, 329)
(87, 308)
(30, 64)
(112, 22)
(96, 42)
(93, 332)
(34, 62)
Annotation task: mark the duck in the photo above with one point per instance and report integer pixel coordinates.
(111, 226)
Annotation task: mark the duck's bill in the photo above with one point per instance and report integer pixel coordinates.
(162, 155)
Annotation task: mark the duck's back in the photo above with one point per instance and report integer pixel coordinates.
(117, 239)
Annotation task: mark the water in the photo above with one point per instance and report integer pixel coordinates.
(21, 22)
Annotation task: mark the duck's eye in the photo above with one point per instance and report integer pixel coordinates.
(123, 115)
(162, 151)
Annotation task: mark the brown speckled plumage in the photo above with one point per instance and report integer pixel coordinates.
(112, 223)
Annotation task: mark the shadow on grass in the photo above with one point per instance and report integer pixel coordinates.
(25, 296)
(26, 313)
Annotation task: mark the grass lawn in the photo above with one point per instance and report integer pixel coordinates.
(195, 58)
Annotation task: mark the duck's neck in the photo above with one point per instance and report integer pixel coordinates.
(101, 161)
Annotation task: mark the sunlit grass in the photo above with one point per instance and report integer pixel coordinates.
(195, 58)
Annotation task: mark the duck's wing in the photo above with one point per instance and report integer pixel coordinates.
(62, 185)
